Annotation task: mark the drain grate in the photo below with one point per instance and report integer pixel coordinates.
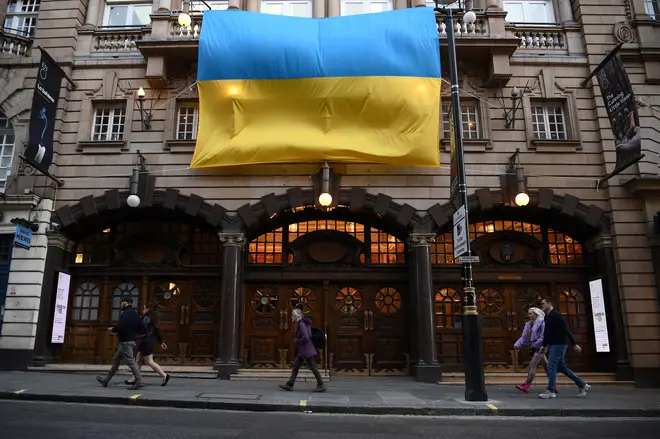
(229, 396)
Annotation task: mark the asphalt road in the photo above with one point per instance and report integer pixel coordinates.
(36, 420)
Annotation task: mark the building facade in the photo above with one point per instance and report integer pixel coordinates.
(227, 253)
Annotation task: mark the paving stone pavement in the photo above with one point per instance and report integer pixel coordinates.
(358, 395)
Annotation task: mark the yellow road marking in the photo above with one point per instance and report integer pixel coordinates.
(134, 397)
(18, 392)
(303, 403)
(492, 407)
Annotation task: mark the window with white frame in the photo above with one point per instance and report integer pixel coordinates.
(652, 8)
(121, 13)
(216, 5)
(187, 122)
(21, 17)
(549, 121)
(470, 118)
(355, 7)
(6, 150)
(530, 11)
(109, 123)
(292, 8)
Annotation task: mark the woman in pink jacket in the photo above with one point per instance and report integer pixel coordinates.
(532, 336)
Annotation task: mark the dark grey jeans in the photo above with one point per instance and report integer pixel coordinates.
(312, 366)
(125, 351)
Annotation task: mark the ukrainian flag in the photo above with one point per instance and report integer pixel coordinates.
(277, 89)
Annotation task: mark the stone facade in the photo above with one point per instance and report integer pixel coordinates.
(109, 65)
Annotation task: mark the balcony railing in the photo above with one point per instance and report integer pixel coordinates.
(541, 38)
(117, 40)
(15, 44)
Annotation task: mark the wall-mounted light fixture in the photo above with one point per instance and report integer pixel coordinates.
(184, 19)
(515, 168)
(516, 104)
(133, 199)
(145, 115)
(325, 198)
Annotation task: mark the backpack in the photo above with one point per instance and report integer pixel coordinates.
(318, 338)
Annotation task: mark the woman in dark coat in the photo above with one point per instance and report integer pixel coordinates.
(306, 351)
(147, 343)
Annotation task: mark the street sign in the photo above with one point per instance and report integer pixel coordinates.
(468, 259)
(23, 236)
(461, 241)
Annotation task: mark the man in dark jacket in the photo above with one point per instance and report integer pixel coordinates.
(556, 338)
(127, 329)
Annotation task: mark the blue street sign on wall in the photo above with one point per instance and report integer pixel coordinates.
(23, 237)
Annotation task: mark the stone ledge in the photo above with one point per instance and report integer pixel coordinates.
(102, 147)
(180, 146)
(560, 146)
(469, 145)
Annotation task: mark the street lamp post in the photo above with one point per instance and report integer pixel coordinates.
(475, 385)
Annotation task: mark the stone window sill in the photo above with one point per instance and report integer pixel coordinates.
(564, 145)
(102, 146)
(469, 145)
(180, 146)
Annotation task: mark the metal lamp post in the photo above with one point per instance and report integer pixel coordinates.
(475, 385)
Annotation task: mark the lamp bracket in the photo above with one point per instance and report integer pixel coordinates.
(516, 104)
(514, 160)
(142, 160)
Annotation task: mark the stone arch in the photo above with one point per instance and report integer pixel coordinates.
(545, 207)
(354, 202)
(80, 218)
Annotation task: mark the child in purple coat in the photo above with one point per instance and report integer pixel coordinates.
(532, 336)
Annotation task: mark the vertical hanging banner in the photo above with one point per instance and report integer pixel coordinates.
(61, 303)
(278, 89)
(453, 162)
(599, 315)
(619, 102)
(39, 151)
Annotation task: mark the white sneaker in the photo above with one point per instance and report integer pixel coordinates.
(547, 395)
(584, 390)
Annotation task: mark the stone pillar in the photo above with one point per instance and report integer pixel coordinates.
(164, 5)
(565, 11)
(426, 368)
(234, 4)
(252, 5)
(606, 266)
(229, 344)
(318, 8)
(57, 259)
(92, 16)
(495, 4)
(417, 3)
(334, 8)
(3, 10)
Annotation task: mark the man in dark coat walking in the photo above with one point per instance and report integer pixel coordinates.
(127, 329)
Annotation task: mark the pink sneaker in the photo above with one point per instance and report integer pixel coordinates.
(524, 388)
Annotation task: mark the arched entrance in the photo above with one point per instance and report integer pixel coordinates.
(155, 256)
(526, 254)
(350, 278)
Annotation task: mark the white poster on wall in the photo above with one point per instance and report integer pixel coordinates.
(599, 315)
(61, 303)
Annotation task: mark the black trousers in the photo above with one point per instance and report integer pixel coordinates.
(311, 364)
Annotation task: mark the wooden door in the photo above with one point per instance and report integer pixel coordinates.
(171, 297)
(495, 304)
(571, 302)
(526, 296)
(267, 326)
(368, 333)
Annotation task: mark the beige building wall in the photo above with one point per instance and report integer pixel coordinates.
(106, 67)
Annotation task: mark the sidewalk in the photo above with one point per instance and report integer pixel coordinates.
(354, 395)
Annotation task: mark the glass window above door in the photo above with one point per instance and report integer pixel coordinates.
(530, 11)
(355, 7)
(119, 13)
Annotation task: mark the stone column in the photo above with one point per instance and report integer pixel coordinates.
(92, 16)
(417, 3)
(427, 368)
(234, 4)
(334, 8)
(565, 11)
(252, 5)
(3, 10)
(606, 266)
(58, 256)
(229, 343)
(164, 5)
(318, 8)
(495, 4)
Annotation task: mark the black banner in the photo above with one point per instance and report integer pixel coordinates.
(619, 101)
(453, 161)
(39, 151)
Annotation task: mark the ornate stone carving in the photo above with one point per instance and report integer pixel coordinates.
(624, 32)
(421, 239)
(232, 239)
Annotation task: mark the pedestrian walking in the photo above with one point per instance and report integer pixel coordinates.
(127, 329)
(146, 343)
(556, 339)
(306, 351)
(532, 336)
